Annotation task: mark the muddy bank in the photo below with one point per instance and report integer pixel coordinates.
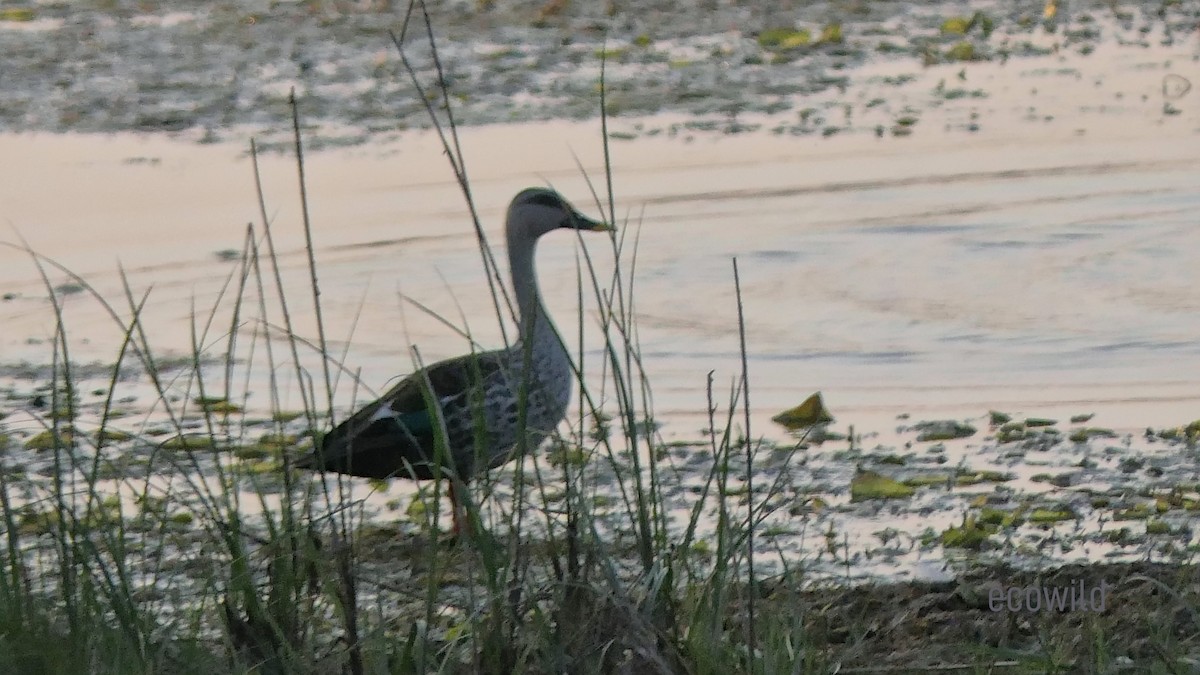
(203, 71)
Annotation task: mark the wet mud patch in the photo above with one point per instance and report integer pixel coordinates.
(205, 70)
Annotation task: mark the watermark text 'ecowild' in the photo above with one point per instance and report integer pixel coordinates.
(1076, 597)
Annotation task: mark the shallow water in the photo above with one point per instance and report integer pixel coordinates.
(1031, 265)
(1043, 264)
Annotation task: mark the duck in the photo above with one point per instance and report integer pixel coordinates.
(485, 399)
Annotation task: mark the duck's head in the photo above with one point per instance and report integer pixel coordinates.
(536, 211)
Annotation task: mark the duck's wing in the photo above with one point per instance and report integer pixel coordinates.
(395, 435)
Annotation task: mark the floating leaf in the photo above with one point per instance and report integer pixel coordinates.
(943, 430)
(188, 443)
(219, 406)
(1138, 512)
(1051, 515)
(956, 25)
(870, 485)
(927, 480)
(103, 436)
(611, 54)
(19, 14)
(182, 518)
(971, 534)
(963, 51)
(567, 456)
(784, 38)
(1175, 86)
(1157, 526)
(47, 440)
(810, 413)
(831, 34)
(251, 452)
(1082, 435)
(416, 509)
(1192, 430)
(262, 466)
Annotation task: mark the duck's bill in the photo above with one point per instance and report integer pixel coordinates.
(582, 222)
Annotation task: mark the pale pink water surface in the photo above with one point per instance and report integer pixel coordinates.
(1043, 264)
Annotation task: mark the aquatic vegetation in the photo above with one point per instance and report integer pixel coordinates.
(1051, 515)
(962, 51)
(870, 485)
(943, 430)
(50, 439)
(1085, 434)
(217, 406)
(1157, 526)
(187, 443)
(971, 534)
(17, 14)
(831, 34)
(285, 416)
(785, 38)
(812, 412)
(961, 25)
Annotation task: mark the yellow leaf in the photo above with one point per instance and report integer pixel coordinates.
(416, 509)
(808, 414)
(956, 25)
(831, 34)
(870, 485)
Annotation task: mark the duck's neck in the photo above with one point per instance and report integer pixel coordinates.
(539, 348)
(535, 322)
